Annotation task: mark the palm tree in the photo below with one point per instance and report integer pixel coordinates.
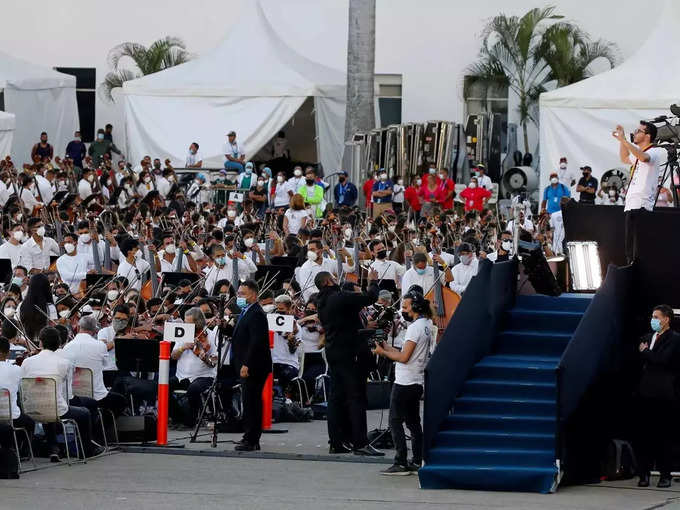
(569, 53)
(161, 54)
(509, 57)
(360, 113)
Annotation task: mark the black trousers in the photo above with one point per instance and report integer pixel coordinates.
(194, 390)
(347, 404)
(656, 435)
(314, 367)
(284, 374)
(405, 408)
(631, 225)
(251, 388)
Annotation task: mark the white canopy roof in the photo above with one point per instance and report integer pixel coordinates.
(576, 121)
(252, 85)
(6, 133)
(42, 100)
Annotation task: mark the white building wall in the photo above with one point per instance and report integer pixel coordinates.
(430, 43)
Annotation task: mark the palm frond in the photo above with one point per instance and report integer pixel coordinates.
(134, 51)
(114, 80)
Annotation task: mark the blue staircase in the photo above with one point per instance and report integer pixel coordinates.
(502, 433)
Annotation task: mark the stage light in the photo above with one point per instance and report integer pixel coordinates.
(584, 261)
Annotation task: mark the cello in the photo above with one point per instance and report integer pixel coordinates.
(445, 300)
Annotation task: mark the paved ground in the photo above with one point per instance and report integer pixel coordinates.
(143, 481)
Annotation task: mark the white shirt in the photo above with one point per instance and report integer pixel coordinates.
(190, 366)
(306, 273)
(84, 189)
(485, 182)
(281, 353)
(107, 335)
(192, 159)
(32, 256)
(28, 199)
(653, 341)
(413, 371)
(4, 194)
(86, 250)
(605, 200)
(411, 277)
(295, 219)
(565, 176)
(144, 188)
(45, 188)
(10, 251)
(295, 183)
(72, 270)
(389, 270)
(171, 267)
(398, 194)
(50, 364)
(233, 149)
(281, 197)
(310, 339)
(163, 186)
(133, 273)
(446, 257)
(10, 378)
(642, 188)
(87, 352)
(246, 267)
(557, 224)
(462, 274)
(528, 225)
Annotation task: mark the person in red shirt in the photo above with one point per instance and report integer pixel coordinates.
(474, 196)
(431, 195)
(447, 188)
(368, 192)
(411, 196)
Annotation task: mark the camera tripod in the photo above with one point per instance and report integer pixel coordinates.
(670, 169)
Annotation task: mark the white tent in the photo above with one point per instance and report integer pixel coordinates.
(253, 83)
(577, 121)
(42, 100)
(6, 133)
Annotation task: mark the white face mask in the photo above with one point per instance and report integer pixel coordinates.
(432, 171)
(90, 178)
(138, 254)
(249, 242)
(64, 314)
(473, 185)
(419, 182)
(554, 180)
(311, 256)
(84, 238)
(170, 249)
(9, 311)
(563, 166)
(112, 295)
(231, 213)
(18, 235)
(383, 177)
(147, 180)
(506, 245)
(348, 233)
(297, 172)
(400, 182)
(391, 228)
(279, 179)
(69, 248)
(268, 308)
(40, 231)
(442, 176)
(260, 183)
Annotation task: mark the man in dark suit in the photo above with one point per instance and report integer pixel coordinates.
(347, 353)
(658, 396)
(252, 359)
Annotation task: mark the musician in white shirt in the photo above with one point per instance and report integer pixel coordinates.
(287, 347)
(44, 187)
(223, 268)
(422, 274)
(315, 264)
(85, 185)
(27, 194)
(194, 159)
(131, 265)
(386, 269)
(35, 253)
(11, 248)
(48, 364)
(646, 160)
(163, 184)
(465, 270)
(168, 256)
(72, 266)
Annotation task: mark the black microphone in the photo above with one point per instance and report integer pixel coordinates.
(660, 118)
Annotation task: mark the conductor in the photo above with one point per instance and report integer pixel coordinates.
(252, 360)
(347, 354)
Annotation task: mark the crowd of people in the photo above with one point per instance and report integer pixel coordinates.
(96, 251)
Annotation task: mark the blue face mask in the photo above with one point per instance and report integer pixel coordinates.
(241, 302)
(655, 324)
(18, 281)
(420, 271)
(220, 261)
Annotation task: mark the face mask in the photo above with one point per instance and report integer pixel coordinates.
(563, 166)
(268, 308)
(612, 195)
(400, 182)
(466, 259)
(442, 176)
(260, 183)
(406, 316)
(297, 172)
(420, 271)
(84, 238)
(112, 295)
(147, 180)
(383, 177)
(348, 233)
(100, 136)
(40, 231)
(381, 254)
(311, 256)
(18, 217)
(231, 213)
(220, 261)
(9, 311)
(655, 324)
(249, 171)
(309, 182)
(279, 179)
(64, 314)
(138, 254)
(171, 249)
(391, 228)
(432, 171)
(69, 248)
(18, 235)
(419, 182)
(341, 178)
(119, 324)
(241, 302)
(77, 138)
(90, 178)
(249, 242)
(506, 245)
(472, 185)
(554, 180)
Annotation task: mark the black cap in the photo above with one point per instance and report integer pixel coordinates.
(586, 167)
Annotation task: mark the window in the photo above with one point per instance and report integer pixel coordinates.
(86, 85)
(387, 99)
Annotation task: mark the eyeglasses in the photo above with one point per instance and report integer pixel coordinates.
(638, 130)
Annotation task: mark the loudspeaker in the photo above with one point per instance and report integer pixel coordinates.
(136, 429)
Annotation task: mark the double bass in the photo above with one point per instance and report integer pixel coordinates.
(445, 300)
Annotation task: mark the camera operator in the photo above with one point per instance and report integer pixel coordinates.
(409, 377)
(347, 353)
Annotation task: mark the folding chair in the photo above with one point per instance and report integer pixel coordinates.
(39, 401)
(6, 417)
(323, 377)
(299, 380)
(83, 386)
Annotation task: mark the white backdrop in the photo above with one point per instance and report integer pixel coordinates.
(6, 133)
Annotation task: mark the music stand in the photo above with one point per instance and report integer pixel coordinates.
(5, 270)
(285, 261)
(279, 273)
(137, 355)
(173, 278)
(94, 279)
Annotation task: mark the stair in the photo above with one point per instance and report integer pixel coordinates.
(501, 433)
